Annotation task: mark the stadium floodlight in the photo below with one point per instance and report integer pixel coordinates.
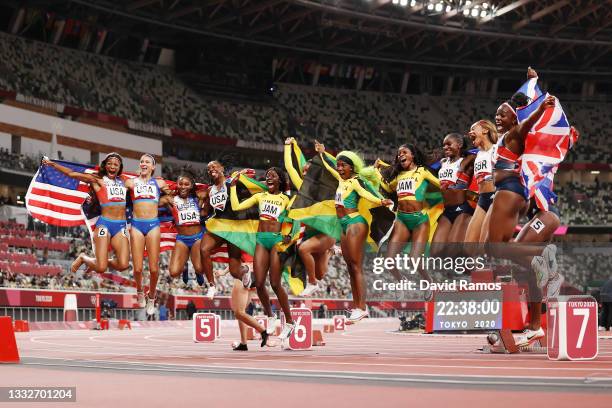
(485, 6)
(439, 7)
(412, 3)
(396, 2)
(474, 12)
(466, 12)
(468, 3)
(483, 13)
(430, 6)
(403, 3)
(448, 9)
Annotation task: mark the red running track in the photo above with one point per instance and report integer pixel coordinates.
(367, 365)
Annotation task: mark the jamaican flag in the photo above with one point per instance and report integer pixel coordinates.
(294, 163)
(314, 205)
(238, 227)
(380, 219)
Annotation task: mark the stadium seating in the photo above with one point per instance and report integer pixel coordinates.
(371, 122)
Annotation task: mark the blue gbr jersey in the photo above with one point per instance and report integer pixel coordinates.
(145, 190)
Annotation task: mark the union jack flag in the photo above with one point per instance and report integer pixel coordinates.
(531, 89)
(546, 145)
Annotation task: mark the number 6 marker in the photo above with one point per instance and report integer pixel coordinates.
(301, 338)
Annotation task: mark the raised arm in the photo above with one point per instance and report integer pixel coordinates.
(320, 148)
(363, 193)
(248, 203)
(433, 180)
(330, 168)
(524, 127)
(294, 175)
(84, 177)
(388, 187)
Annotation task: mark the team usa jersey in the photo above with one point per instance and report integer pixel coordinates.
(186, 212)
(483, 165)
(505, 159)
(218, 197)
(410, 184)
(449, 171)
(271, 206)
(145, 190)
(113, 193)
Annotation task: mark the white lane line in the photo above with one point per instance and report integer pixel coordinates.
(371, 376)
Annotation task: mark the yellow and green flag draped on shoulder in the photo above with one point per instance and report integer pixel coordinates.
(380, 219)
(315, 206)
(238, 227)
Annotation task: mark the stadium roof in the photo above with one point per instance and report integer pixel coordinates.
(560, 35)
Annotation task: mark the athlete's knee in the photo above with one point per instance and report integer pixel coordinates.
(276, 286)
(206, 250)
(174, 271)
(303, 250)
(101, 267)
(354, 266)
(122, 265)
(260, 283)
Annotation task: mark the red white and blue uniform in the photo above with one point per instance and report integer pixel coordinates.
(145, 191)
(186, 213)
(505, 159)
(483, 171)
(113, 193)
(449, 176)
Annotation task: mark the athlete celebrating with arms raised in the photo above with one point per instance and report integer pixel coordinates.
(111, 193)
(354, 225)
(145, 232)
(272, 206)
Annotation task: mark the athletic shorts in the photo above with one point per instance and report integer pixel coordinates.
(189, 240)
(413, 219)
(512, 184)
(113, 226)
(145, 225)
(451, 212)
(268, 239)
(352, 218)
(485, 200)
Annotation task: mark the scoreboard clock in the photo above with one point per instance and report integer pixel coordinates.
(468, 311)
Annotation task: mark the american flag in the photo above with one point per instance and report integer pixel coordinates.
(57, 199)
(546, 145)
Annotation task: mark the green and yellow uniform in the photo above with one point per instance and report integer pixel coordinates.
(271, 207)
